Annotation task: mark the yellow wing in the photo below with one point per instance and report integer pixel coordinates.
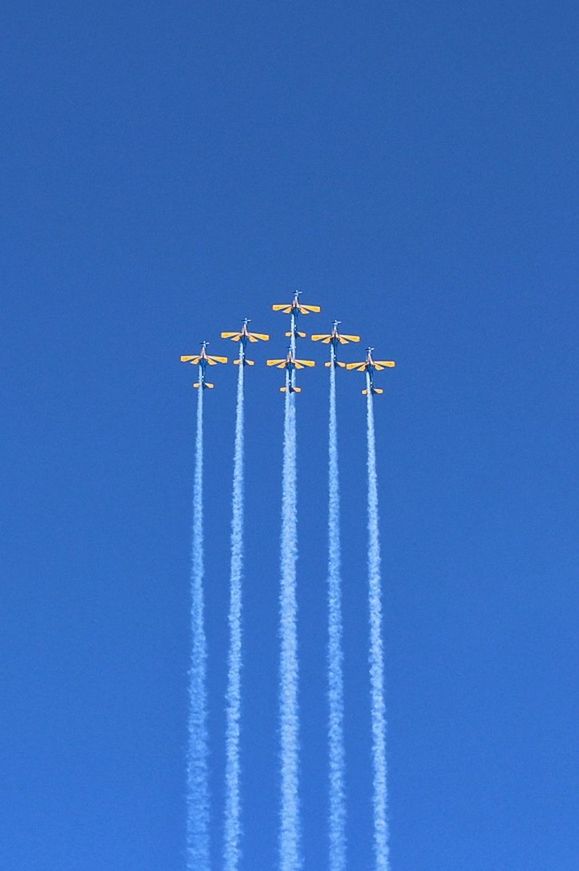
(258, 337)
(285, 308)
(359, 367)
(192, 358)
(236, 337)
(344, 339)
(306, 309)
(301, 363)
(279, 363)
(384, 364)
(322, 337)
(213, 360)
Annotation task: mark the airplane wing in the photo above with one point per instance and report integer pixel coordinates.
(306, 309)
(384, 364)
(285, 308)
(301, 363)
(235, 336)
(344, 339)
(322, 337)
(359, 367)
(279, 363)
(192, 358)
(213, 360)
(258, 337)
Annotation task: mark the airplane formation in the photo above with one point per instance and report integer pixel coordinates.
(290, 362)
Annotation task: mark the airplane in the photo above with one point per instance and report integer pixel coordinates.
(295, 308)
(334, 339)
(291, 363)
(203, 360)
(369, 366)
(243, 336)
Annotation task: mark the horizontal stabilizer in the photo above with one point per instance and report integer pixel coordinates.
(336, 363)
(246, 362)
(298, 333)
(208, 385)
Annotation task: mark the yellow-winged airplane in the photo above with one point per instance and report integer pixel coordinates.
(334, 339)
(295, 308)
(203, 360)
(369, 366)
(243, 336)
(291, 363)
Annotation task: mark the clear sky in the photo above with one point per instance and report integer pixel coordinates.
(169, 168)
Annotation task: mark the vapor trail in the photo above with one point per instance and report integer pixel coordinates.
(337, 820)
(197, 776)
(381, 833)
(289, 841)
(232, 835)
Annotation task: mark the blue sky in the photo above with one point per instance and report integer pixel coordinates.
(170, 168)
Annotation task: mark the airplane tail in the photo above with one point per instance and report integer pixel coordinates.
(298, 333)
(336, 363)
(375, 391)
(246, 362)
(291, 390)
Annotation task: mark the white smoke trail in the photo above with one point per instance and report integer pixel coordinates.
(337, 815)
(197, 776)
(381, 833)
(232, 834)
(289, 842)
